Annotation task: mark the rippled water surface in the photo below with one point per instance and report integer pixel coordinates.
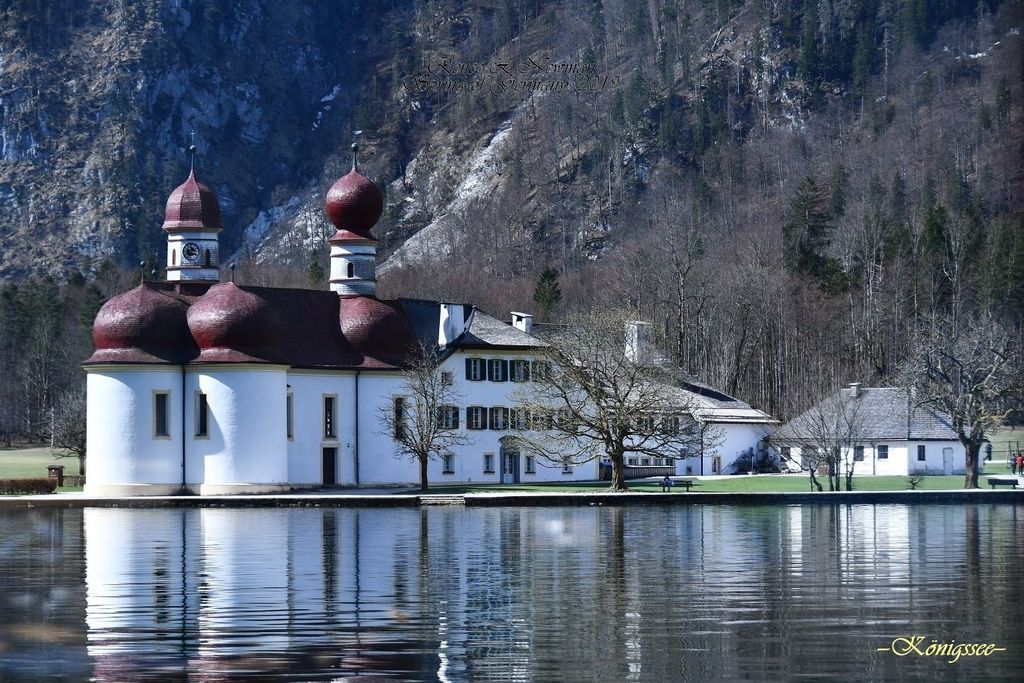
(611, 593)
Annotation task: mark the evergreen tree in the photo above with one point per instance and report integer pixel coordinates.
(547, 294)
(314, 271)
(807, 232)
(837, 186)
(809, 43)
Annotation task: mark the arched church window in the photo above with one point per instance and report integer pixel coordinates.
(351, 270)
(174, 257)
(207, 258)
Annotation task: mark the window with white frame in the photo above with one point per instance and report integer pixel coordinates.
(499, 418)
(488, 463)
(289, 415)
(161, 417)
(202, 415)
(566, 467)
(448, 417)
(531, 465)
(448, 460)
(330, 417)
(476, 417)
(497, 370)
(883, 452)
(518, 418)
(921, 457)
(398, 416)
(631, 461)
(520, 371)
(540, 370)
(476, 369)
(447, 378)
(858, 454)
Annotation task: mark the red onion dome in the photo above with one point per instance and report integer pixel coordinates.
(144, 325)
(354, 203)
(192, 206)
(378, 329)
(233, 325)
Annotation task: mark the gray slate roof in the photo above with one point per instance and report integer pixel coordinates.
(884, 413)
(485, 331)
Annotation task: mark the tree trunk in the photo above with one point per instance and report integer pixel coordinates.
(424, 486)
(815, 484)
(618, 472)
(81, 465)
(971, 449)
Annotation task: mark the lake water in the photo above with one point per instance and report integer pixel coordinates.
(577, 593)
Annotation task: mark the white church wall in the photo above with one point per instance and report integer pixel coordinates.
(305, 448)
(126, 457)
(246, 450)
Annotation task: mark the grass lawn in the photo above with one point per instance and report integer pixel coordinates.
(30, 463)
(763, 483)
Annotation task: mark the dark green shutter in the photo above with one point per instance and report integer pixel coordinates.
(467, 368)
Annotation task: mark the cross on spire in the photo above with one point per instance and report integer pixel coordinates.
(192, 149)
(355, 156)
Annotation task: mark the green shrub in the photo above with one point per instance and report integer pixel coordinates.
(10, 487)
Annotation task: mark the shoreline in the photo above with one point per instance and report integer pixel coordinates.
(516, 499)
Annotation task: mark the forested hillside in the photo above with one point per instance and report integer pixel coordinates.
(786, 188)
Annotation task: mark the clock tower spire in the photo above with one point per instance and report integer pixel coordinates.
(192, 222)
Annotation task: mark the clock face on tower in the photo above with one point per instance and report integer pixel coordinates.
(190, 252)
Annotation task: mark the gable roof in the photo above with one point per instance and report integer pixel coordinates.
(487, 332)
(714, 406)
(884, 414)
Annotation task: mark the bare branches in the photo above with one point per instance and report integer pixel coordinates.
(972, 370)
(423, 417)
(599, 397)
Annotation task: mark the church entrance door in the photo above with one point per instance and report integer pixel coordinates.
(330, 458)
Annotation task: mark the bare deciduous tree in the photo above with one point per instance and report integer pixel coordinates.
(601, 397)
(67, 427)
(973, 371)
(828, 435)
(423, 417)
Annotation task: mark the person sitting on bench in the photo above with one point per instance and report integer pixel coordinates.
(666, 484)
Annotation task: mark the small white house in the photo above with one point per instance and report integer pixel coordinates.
(882, 429)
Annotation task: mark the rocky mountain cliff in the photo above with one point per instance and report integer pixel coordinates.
(527, 132)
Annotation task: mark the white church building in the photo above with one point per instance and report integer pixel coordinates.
(207, 387)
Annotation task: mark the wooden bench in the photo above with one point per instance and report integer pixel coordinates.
(1003, 481)
(685, 483)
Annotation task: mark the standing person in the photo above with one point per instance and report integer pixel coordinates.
(1020, 463)
(1013, 464)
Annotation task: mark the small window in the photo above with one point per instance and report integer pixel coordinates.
(447, 378)
(920, 453)
(566, 467)
(174, 257)
(499, 418)
(858, 454)
(883, 452)
(475, 369)
(289, 417)
(497, 370)
(488, 463)
(531, 466)
(161, 423)
(330, 417)
(207, 259)
(398, 417)
(475, 417)
(631, 461)
(202, 415)
(670, 424)
(518, 418)
(520, 371)
(351, 270)
(448, 417)
(540, 370)
(645, 461)
(448, 459)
